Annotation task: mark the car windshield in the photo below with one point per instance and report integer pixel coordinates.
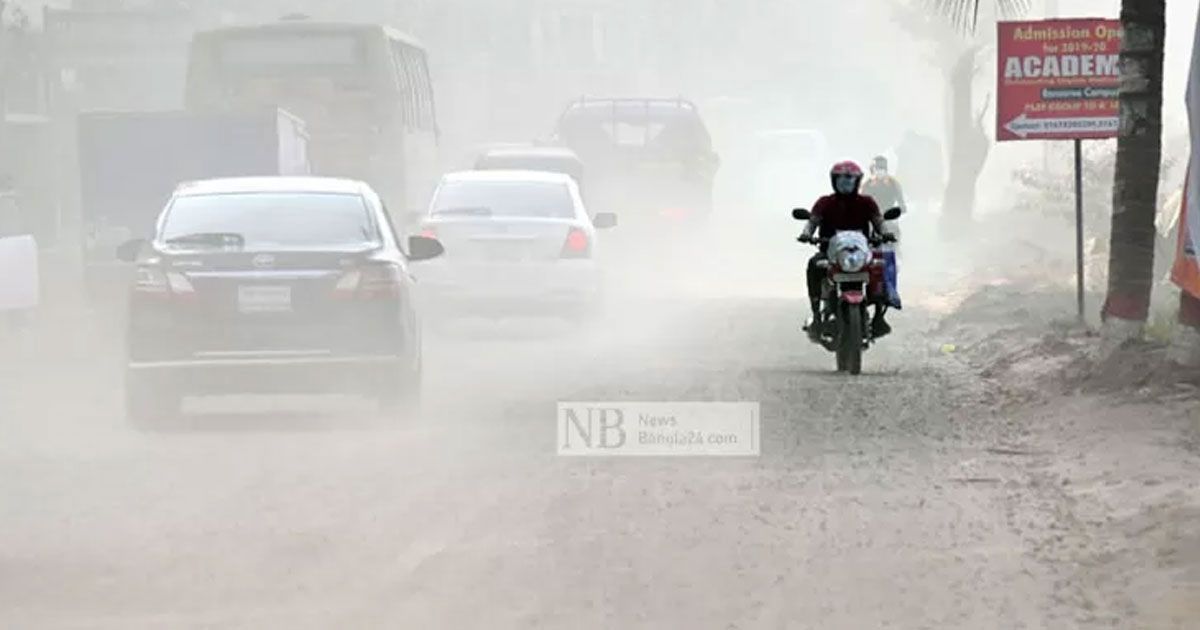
(505, 199)
(271, 220)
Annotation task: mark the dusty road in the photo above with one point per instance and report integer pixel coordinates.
(876, 502)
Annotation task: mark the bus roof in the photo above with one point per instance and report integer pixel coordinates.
(300, 26)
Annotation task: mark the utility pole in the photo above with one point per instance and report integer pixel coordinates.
(5, 154)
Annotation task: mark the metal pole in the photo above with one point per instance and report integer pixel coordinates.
(4, 69)
(1079, 227)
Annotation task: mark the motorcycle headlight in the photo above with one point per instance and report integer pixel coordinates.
(853, 260)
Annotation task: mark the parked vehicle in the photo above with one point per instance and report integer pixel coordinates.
(273, 284)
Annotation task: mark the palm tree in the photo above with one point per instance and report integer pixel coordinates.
(1139, 151)
(969, 140)
(964, 14)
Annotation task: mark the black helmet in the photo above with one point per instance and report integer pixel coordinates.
(879, 164)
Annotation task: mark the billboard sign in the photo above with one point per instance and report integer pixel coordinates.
(1058, 79)
(1186, 271)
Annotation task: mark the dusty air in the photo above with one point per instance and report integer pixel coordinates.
(599, 314)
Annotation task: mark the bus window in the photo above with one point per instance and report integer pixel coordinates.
(425, 89)
(415, 94)
(404, 82)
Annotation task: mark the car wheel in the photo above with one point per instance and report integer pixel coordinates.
(399, 392)
(149, 403)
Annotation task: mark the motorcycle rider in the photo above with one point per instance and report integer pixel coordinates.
(883, 188)
(845, 209)
(887, 193)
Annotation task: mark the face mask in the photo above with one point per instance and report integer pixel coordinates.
(844, 184)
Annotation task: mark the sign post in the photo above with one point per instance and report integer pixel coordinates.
(1059, 80)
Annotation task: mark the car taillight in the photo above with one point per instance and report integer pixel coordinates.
(428, 232)
(370, 282)
(577, 244)
(153, 281)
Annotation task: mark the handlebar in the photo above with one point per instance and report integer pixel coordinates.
(874, 241)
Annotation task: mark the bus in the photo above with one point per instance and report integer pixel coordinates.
(363, 91)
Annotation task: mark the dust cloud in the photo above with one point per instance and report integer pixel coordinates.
(875, 500)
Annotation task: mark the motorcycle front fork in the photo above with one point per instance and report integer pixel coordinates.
(830, 306)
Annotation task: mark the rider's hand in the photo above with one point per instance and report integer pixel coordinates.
(888, 238)
(804, 238)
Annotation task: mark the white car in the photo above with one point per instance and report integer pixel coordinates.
(516, 243)
(19, 287)
(791, 168)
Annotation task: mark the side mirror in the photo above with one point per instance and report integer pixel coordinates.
(129, 250)
(892, 214)
(424, 248)
(800, 214)
(604, 220)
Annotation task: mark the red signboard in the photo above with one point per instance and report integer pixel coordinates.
(1058, 79)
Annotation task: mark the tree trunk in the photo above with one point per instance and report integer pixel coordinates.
(1139, 152)
(969, 146)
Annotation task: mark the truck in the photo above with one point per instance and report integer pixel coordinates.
(649, 159)
(131, 162)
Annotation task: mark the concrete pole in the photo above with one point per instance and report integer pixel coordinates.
(4, 157)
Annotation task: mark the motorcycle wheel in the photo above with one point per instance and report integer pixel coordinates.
(850, 344)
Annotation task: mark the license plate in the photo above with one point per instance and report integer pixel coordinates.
(506, 252)
(264, 299)
(851, 277)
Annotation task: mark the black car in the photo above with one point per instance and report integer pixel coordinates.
(272, 285)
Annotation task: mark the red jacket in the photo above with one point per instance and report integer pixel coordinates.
(834, 213)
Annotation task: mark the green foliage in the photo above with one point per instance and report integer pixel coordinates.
(964, 14)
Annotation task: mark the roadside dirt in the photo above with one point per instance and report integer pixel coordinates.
(1110, 439)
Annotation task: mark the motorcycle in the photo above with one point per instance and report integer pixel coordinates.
(853, 264)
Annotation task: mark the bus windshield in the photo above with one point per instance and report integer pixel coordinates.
(311, 53)
(324, 78)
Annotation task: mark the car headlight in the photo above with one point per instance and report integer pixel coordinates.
(853, 260)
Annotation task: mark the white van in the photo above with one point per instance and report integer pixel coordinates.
(19, 260)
